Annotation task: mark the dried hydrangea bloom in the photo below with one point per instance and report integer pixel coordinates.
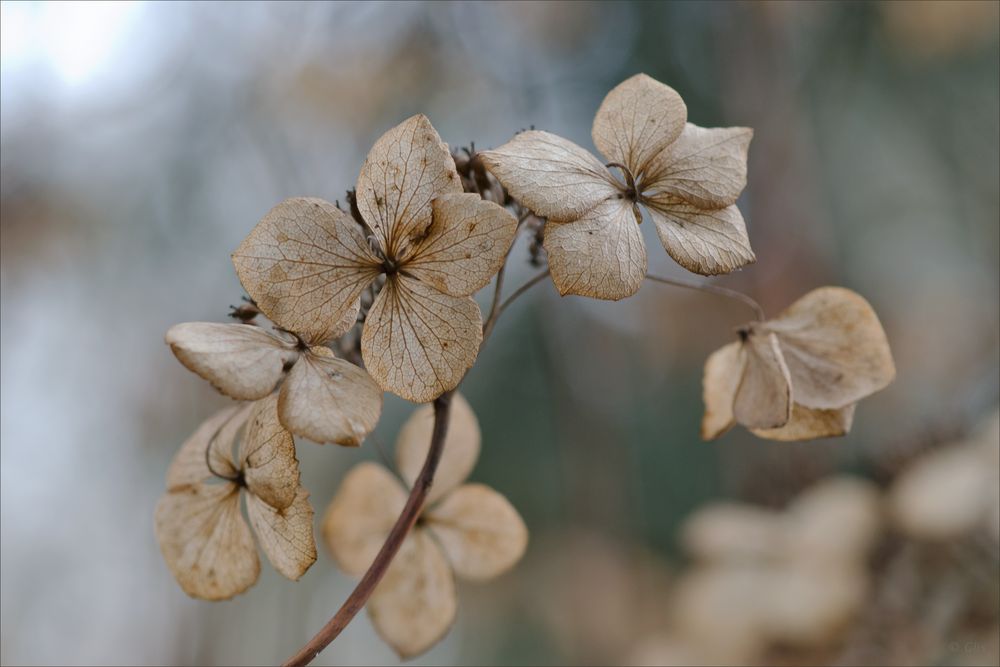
(834, 521)
(307, 263)
(205, 540)
(802, 569)
(322, 398)
(951, 492)
(466, 530)
(809, 607)
(719, 612)
(686, 177)
(799, 375)
(732, 532)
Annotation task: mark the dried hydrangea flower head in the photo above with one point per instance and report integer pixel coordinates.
(763, 578)
(466, 530)
(307, 263)
(834, 521)
(799, 375)
(205, 540)
(953, 491)
(687, 177)
(322, 398)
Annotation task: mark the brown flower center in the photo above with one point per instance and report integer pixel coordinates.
(630, 192)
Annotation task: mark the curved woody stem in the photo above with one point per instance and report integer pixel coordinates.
(411, 511)
(498, 307)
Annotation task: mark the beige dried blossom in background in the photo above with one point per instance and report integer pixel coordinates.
(687, 177)
(761, 579)
(204, 538)
(467, 531)
(953, 490)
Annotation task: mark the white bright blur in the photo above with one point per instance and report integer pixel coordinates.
(74, 40)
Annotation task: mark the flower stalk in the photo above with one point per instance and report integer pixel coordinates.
(355, 602)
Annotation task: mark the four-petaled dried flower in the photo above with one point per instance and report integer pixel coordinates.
(204, 538)
(322, 398)
(799, 375)
(468, 530)
(307, 263)
(687, 177)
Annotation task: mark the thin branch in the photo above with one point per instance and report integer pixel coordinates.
(411, 511)
(521, 290)
(495, 306)
(496, 310)
(713, 289)
(211, 444)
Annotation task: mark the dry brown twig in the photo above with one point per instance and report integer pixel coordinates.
(414, 503)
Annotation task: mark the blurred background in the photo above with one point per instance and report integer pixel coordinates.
(142, 141)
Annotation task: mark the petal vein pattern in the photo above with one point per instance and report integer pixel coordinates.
(601, 255)
(418, 343)
(407, 168)
(305, 264)
(708, 242)
(552, 176)
(465, 245)
(636, 120)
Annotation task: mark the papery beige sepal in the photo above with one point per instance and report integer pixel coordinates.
(205, 541)
(480, 531)
(638, 119)
(704, 241)
(600, 255)
(240, 360)
(552, 176)
(706, 167)
(418, 342)
(407, 168)
(836, 350)
(286, 534)
(305, 265)
(723, 372)
(267, 456)
(216, 436)
(764, 397)
(360, 516)
(414, 605)
(461, 446)
(326, 399)
(465, 244)
(810, 424)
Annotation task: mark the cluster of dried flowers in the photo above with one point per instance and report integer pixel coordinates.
(794, 578)
(379, 298)
(847, 573)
